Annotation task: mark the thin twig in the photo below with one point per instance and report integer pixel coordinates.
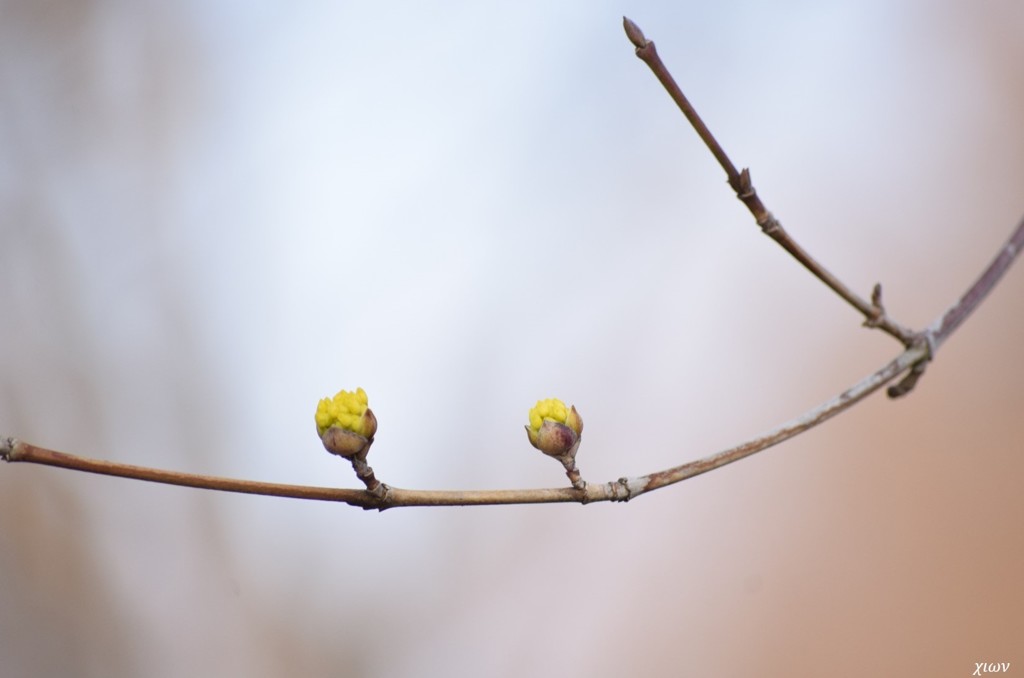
(740, 182)
(940, 330)
(936, 334)
(13, 450)
(622, 489)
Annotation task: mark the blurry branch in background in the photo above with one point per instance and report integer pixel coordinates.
(557, 430)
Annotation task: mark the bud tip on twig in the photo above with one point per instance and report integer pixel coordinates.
(633, 32)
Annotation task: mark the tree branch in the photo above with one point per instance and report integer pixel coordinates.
(920, 348)
(623, 489)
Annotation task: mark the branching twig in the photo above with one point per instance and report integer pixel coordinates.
(740, 182)
(920, 348)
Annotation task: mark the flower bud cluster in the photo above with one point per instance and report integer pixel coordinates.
(555, 429)
(345, 424)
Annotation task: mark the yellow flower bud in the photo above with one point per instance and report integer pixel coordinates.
(554, 429)
(345, 424)
(345, 410)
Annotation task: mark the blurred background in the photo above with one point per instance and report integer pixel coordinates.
(212, 214)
